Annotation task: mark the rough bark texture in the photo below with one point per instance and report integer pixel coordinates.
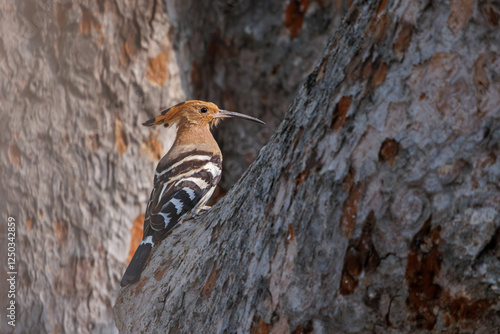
(374, 207)
(77, 78)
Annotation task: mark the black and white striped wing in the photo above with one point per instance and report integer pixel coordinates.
(179, 190)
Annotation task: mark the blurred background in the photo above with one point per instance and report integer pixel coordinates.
(77, 79)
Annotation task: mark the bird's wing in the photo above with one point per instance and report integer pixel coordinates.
(178, 189)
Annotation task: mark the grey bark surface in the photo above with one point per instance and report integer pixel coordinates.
(77, 79)
(76, 167)
(373, 208)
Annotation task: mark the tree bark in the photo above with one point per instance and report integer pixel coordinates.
(77, 79)
(373, 208)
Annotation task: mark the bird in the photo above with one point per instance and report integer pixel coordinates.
(185, 177)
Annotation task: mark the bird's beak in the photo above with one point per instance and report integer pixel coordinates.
(226, 114)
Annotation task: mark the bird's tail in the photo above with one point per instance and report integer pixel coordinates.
(135, 266)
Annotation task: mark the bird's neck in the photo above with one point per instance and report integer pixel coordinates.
(188, 133)
(191, 137)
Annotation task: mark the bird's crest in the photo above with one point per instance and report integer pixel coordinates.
(194, 112)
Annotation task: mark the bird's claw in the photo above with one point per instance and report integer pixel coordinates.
(202, 210)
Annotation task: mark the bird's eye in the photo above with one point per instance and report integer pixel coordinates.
(203, 110)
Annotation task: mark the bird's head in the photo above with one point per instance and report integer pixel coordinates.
(195, 113)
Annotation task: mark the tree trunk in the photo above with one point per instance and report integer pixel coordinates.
(373, 208)
(77, 79)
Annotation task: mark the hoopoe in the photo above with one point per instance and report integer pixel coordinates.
(185, 177)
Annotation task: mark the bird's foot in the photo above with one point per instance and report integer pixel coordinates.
(202, 210)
